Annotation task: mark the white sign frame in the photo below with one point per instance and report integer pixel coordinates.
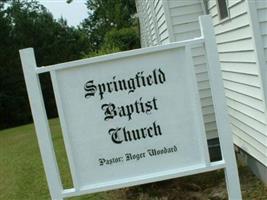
(228, 163)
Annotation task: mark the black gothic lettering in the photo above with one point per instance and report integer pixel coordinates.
(130, 85)
(90, 88)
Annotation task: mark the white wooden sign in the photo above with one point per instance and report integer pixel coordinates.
(131, 118)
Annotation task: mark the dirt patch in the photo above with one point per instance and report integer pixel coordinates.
(207, 186)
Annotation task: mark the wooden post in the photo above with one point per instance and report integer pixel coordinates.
(223, 125)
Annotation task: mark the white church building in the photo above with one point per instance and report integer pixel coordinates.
(241, 34)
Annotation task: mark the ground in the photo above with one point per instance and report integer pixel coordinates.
(22, 175)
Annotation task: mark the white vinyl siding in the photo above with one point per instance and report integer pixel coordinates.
(143, 27)
(161, 22)
(262, 17)
(178, 20)
(182, 16)
(261, 10)
(183, 19)
(153, 25)
(200, 63)
(242, 81)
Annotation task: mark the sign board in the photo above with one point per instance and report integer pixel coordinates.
(128, 118)
(135, 115)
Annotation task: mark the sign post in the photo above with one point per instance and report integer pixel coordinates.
(41, 123)
(223, 125)
(131, 118)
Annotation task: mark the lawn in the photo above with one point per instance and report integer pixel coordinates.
(22, 175)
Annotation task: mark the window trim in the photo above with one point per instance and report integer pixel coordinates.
(219, 12)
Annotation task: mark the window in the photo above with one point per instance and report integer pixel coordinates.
(223, 9)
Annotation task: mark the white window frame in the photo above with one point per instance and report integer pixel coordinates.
(219, 11)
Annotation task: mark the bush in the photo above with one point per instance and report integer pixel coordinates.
(101, 52)
(123, 39)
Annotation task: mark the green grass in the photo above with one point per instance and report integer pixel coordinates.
(22, 175)
(21, 170)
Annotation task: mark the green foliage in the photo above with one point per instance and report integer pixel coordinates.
(117, 40)
(102, 52)
(110, 27)
(106, 15)
(123, 39)
(28, 24)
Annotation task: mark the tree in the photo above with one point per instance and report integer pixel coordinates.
(111, 26)
(106, 16)
(28, 24)
(122, 39)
